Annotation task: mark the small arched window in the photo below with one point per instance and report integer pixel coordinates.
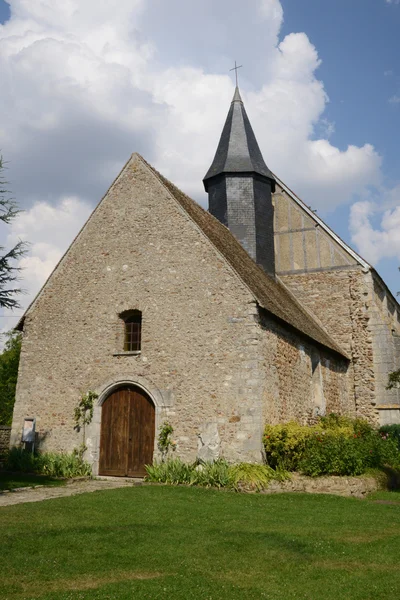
(133, 330)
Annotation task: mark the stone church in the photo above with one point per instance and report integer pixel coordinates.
(215, 321)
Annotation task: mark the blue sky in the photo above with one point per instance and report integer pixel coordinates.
(87, 84)
(358, 42)
(4, 11)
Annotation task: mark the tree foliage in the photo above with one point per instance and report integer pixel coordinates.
(9, 361)
(394, 380)
(8, 269)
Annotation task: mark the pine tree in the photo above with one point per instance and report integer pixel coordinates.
(8, 269)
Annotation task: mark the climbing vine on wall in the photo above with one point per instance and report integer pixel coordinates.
(165, 441)
(394, 380)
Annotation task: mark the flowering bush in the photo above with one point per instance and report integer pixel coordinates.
(334, 446)
(392, 431)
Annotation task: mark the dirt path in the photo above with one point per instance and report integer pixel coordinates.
(38, 494)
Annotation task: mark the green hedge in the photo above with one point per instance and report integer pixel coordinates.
(334, 446)
(47, 463)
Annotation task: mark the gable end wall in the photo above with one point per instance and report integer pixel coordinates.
(200, 348)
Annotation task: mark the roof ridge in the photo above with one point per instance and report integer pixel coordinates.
(240, 261)
(271, 294)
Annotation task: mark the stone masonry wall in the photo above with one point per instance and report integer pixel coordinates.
(200, 347)
(336, 387)
(302, 382)
(340, 300)
(213, 372)
(385, 328)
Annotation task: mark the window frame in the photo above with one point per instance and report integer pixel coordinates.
(132, 335)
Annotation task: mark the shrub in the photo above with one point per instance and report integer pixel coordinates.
(334, 446)
(47, 463)
(19, 460)
(285, 444)
(341, 455)
(393, 431)
(332, 455)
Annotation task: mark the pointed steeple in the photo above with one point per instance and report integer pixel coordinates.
(238, 150)
(239, 186)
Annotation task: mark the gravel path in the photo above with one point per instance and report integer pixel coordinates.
(40, 493)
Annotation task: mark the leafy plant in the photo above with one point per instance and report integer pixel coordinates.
(172, 471)
(165, 442)
(47, 463)
(254, 476)
(218, 474)
(9, 361)
(285, 444)
(394, 380)
(83, 415)
(336, 445)
(392, 431)
(340, 455)
(211, 474)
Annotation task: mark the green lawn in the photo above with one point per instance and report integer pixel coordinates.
(16, 480)
(387, 496)
(182, 543)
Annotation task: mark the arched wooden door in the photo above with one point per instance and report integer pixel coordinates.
(127, 433)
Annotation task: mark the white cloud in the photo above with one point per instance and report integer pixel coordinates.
(394, 99)
(84, 84)
(85, 87)
(49, 229)
(271, 10)
(286, 112)
(382, 241)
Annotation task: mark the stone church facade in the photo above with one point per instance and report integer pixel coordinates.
(216, 322)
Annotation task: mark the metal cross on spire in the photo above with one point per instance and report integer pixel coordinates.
(235, 68)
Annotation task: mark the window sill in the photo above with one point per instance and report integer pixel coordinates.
(135, 353)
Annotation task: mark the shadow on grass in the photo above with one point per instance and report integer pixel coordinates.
(11, 481)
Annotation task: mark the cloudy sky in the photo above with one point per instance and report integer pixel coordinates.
(84, 83)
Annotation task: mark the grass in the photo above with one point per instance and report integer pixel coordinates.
(393, 496)
(159, 542)
(16, 480)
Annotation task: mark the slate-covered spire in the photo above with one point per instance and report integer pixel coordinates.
(238, 150)
(239, 186)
